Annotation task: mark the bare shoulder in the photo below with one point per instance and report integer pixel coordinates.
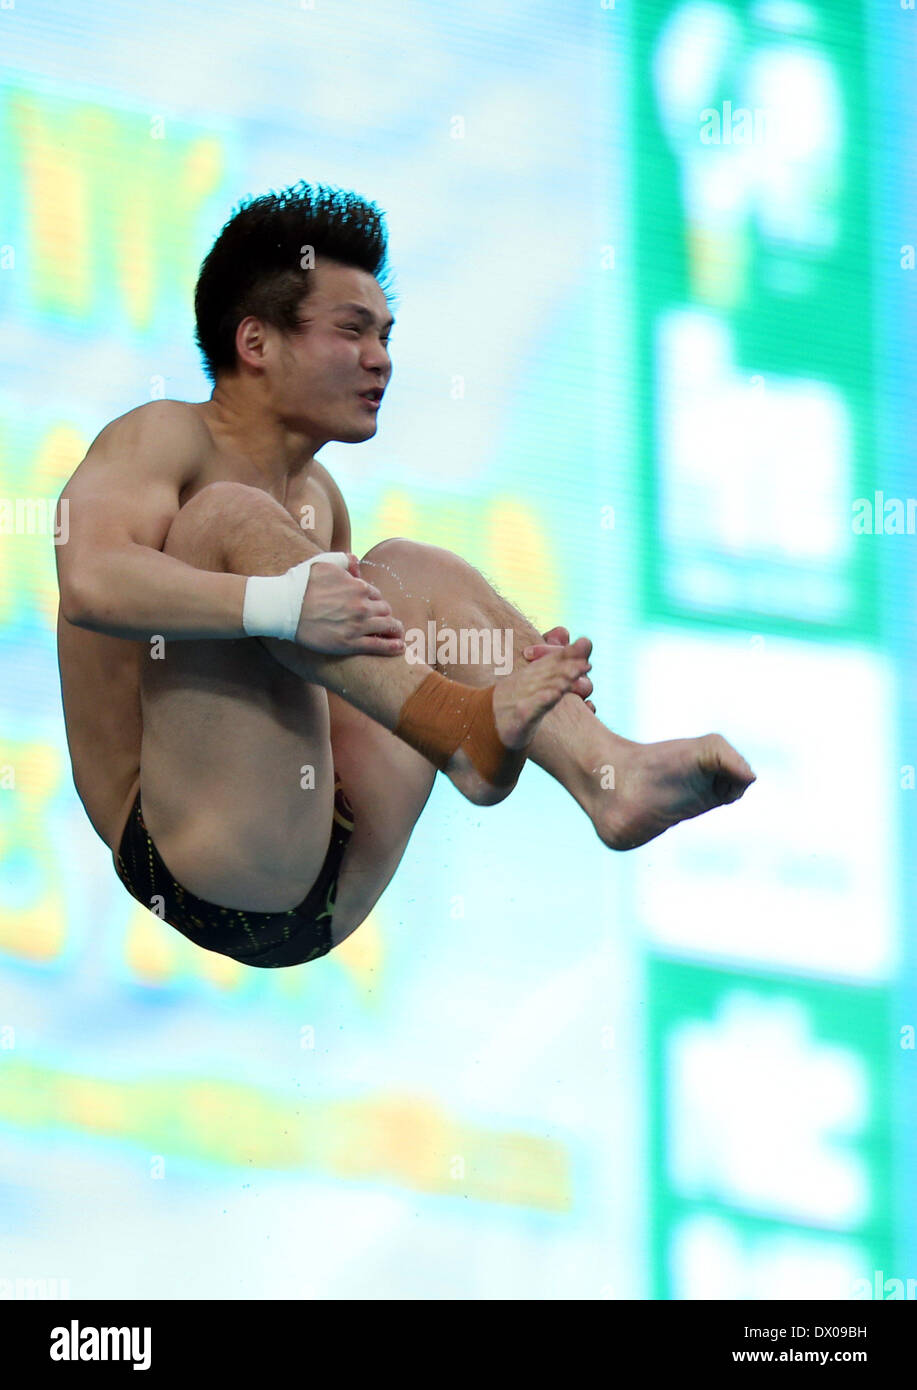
(321, 475)
(341, 533)
(165, 428)
(127, 489)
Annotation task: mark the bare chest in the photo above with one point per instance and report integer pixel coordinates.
(304, 497)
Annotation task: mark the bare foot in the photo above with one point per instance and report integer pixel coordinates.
(520, 702)
(656, 785)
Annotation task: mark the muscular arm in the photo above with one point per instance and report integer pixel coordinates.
(122, 499)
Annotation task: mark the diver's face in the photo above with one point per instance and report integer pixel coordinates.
(339, 356)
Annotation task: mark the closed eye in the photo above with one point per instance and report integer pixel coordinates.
(354, 328)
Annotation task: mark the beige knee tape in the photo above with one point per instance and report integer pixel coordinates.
(443, 715)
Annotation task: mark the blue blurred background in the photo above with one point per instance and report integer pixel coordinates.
(655, 272)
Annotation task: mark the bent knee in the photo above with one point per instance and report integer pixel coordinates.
(200, 528)
(401, 570)
(415, 562)
(402, 556)
(392, 549)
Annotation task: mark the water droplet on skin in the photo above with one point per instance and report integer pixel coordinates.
(377, 564)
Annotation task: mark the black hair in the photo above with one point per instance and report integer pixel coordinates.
(255, 266)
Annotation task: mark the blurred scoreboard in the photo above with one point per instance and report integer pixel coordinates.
(773, 935)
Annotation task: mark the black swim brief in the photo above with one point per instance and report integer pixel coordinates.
(255, 938)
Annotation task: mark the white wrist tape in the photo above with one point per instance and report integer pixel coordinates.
(273, 603)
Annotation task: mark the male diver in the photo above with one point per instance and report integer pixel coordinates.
(247, 733)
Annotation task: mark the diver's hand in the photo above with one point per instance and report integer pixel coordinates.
(560, 637)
